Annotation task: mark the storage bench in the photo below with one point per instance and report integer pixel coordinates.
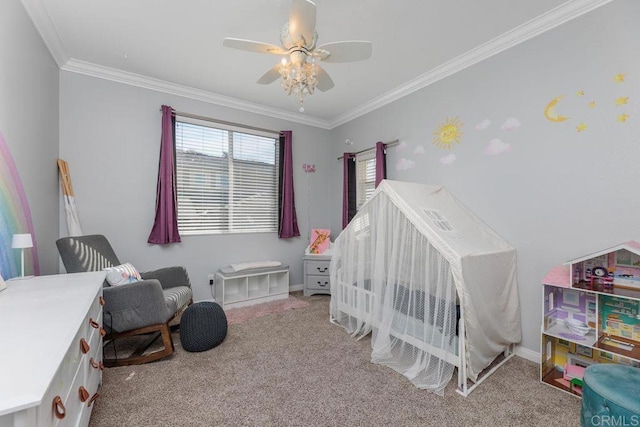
(251, 286)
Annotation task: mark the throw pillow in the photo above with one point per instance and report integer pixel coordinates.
(122, 274)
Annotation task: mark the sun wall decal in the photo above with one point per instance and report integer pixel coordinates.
(448, 133)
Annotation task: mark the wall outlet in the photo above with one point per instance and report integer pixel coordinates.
(211, 279)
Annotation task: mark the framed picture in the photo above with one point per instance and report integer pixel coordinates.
(606, 356)
(320, 240)
(584, 351)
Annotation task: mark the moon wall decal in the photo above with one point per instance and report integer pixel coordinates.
(550, 111)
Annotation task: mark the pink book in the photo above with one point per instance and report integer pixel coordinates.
(320, 239)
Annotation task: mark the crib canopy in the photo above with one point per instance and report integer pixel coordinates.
(433, 251)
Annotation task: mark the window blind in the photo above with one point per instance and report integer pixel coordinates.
(227, 181)
(366, 178)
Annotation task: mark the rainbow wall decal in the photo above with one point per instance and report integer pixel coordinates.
(15, 217)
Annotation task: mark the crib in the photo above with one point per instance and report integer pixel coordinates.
(426, 303)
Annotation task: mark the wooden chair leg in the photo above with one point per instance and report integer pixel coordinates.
(137, 357)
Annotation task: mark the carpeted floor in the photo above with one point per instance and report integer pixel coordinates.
(293, 368)
(244, 314)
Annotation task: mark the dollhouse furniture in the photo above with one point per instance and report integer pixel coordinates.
(143, 309)
(203, 326)
(574, 375)
(611, 395)
(51, 358)
(238, 288)
(591, 315)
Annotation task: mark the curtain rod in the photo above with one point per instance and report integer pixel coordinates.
(222, 122)
(387, 144)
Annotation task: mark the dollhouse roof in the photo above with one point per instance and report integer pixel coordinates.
(631, 246)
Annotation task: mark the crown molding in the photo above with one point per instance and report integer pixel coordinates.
(42, 21)
(545, 22)
(138, 80)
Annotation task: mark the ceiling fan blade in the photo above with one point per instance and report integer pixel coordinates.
(270, 76)
(347, 51)
(302, 22)
(252, 46)
(324, 81)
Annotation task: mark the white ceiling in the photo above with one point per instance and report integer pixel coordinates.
(176, 46)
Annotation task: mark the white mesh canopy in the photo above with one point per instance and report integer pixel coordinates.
(410, 261)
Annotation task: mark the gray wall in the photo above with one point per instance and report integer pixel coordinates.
(29, 122)
(558, 193)
(110, 135)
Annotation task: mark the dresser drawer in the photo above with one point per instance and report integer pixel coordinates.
(93, 368)
(73, 370)
(318, 282)
(76, 403)
(317, 268)
(61, 383)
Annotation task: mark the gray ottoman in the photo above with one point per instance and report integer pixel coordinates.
(203, 326)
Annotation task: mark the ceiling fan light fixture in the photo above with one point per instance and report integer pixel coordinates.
(300, 73)
(298, 78)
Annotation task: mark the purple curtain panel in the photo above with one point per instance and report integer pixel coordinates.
(381, 162)
(348, 188)
(165, 226)
(288, 219)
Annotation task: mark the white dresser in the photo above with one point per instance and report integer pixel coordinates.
(50, 349)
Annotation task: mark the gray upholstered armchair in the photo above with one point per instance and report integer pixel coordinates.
(142, 308)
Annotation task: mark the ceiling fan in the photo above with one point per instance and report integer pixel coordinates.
(301, 73)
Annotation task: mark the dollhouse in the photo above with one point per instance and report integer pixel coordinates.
(591, 314)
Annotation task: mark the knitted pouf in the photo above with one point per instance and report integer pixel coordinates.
(203, 326)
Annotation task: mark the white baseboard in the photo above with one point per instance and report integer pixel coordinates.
(528, 354)
(294, 288)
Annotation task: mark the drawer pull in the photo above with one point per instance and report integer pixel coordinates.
(322, 270)
(94, 364)
(84, 346)
(102, 332)
(323, 284)
(58, 408)
(83, 394)
(93, 323)
(93, 399)
(101, 300)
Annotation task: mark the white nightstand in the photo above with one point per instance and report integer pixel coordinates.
(316, 274)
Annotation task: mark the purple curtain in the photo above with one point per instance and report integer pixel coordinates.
(288, 221)
(165, 226)
(348, 188)
(381, 162)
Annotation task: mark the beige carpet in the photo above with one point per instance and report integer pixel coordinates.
(293, 368)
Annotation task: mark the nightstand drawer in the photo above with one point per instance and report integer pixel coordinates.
(318, 282)
(317, 268)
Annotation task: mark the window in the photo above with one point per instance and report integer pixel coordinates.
(227, 180)
(365, 179)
